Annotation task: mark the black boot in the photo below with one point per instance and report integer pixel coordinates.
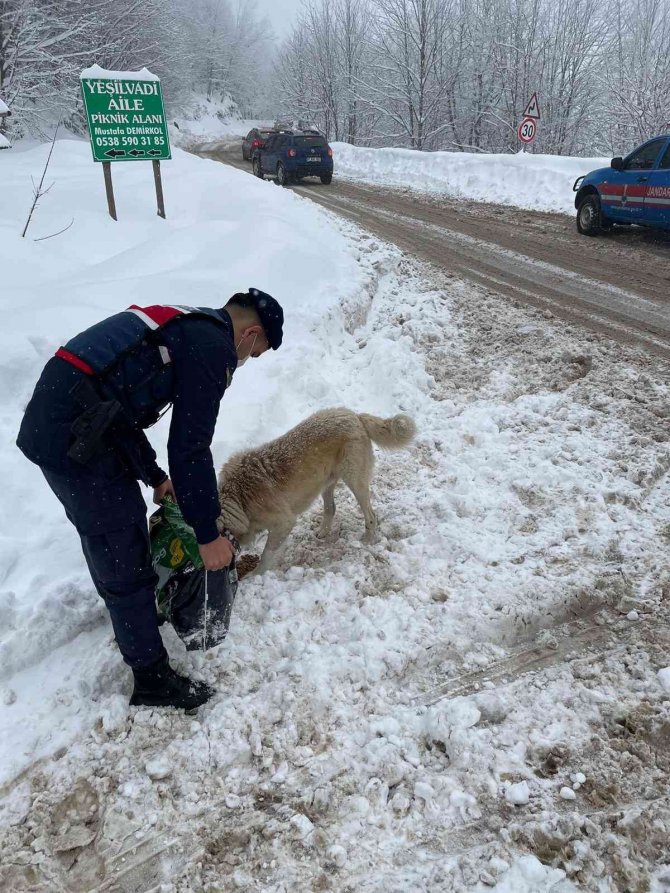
(158, 685)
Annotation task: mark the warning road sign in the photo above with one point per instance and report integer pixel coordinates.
(533, 108)
(527, 130)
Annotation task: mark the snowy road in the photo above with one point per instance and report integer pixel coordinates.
(617, 285)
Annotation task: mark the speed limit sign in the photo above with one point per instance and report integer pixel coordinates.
(527, 130)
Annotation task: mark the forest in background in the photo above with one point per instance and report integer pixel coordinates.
(201, 49)
(423, 74)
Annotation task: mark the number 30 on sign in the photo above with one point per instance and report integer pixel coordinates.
(527, 130)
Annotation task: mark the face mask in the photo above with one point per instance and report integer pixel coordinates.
(243, 361)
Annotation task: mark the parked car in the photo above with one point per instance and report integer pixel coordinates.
(290, 156)
(634, 189)
(255, 139)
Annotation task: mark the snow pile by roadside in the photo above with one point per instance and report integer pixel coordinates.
(539, 182)
(197, 121)
(473, 703)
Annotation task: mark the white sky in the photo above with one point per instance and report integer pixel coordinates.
(280, 13)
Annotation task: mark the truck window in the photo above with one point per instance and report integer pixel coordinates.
(643, 159)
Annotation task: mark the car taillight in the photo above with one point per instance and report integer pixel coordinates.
(330, 153)
(292, 153)
(255, 144)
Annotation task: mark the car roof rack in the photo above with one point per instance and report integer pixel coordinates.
(291, 125)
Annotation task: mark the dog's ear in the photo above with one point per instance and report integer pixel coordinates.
(233, 516)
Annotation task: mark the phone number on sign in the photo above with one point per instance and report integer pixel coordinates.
(129, 141)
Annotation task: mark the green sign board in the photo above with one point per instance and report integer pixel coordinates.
(126, 117)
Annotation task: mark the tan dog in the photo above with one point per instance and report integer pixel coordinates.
(269, 487)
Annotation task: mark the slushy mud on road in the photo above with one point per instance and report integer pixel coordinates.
(617, 285)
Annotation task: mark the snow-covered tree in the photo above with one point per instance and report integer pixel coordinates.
(636, 77)
(458, 73)
(213, 46)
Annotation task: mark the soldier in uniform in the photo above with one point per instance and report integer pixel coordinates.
(84, 427)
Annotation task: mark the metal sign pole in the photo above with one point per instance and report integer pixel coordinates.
(159, 189)
(109, 188)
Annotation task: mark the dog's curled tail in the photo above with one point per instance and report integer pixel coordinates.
(391, 433)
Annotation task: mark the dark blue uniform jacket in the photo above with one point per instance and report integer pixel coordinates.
(203, 359)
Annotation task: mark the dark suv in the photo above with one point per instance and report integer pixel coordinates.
(255, 139)
(291, 156)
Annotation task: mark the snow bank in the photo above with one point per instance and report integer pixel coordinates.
(540, 182)
(203, 120)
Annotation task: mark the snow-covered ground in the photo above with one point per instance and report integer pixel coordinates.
(539, 182)
(203, 119)
(471, 704)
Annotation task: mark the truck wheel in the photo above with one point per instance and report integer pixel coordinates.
(589, 216)
(257, 167)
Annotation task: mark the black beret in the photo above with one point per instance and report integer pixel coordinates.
(270, 314)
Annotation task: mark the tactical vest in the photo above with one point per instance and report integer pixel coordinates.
(97, 349)
(125, 355)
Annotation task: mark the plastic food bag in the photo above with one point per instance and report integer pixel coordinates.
(198, 603)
